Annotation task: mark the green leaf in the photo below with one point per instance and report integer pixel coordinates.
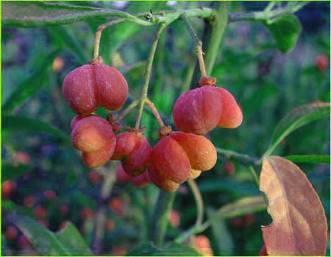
(221, 234)
(31, 85)
(173, 249)
(31, 14)
(20, 123)
(10, 171)
(297, 118)
(309, 158)
(285, 31)
(10, 206)
(43, 240)
(245, 205)
(73, 241)
(64, 38)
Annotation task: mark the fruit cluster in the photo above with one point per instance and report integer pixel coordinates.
(176, 157)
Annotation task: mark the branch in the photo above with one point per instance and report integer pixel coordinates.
(148, 74)
(161, 216)
(243, 158)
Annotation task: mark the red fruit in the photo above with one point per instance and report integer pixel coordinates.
(174, 218)
(198, 110)
(95, 138)
(119, 250)
(29, 201)
(229, 168)
(91, 134)
(11, 233)
(49, 194)
(8, 188)
(58, 64)
(231, 116)
(249, 219)
(94, 177)
(121, 175)
(178, 157)
(109, 225)
(263, 251)
(117, 206)
(22, 158)
(40, 212)
(321, 62)
(141, 180)
(93, 85)
(202, 244)
(86, 213)
(133, 149)
(202, 109)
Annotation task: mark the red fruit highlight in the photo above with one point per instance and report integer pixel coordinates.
(198, 110)
(232, 115)
(93, 85)
(322, 62)
(8, 188)
(202, 244)
(133, 149)
(11, 233)
(92, 134)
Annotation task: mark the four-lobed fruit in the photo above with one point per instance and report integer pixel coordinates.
(92, 85)
(178, 157)
(204, 108)
(95, 138)
(134, 151)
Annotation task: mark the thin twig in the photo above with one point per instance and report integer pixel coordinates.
(98, 34)
(198, 201)
(155, 112)
(128, 109)
(148, 74)
(243, 158)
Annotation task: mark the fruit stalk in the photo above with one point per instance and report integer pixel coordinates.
(160, 217)
(148, 74)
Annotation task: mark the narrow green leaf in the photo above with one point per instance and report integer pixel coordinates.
(245, 205)
(221, 234)
(30, 14)
(309, 158)
(64, 38)
(43, 240)
(31, 85)
(173, 249)
(285, 31)
(20, 123)
(10, 171)
(297, 118)
(72, 240)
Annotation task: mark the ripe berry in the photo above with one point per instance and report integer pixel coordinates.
(40, 212)
(202, 109)
(49, 194)
(178, 157)
(117, 206)
(86, 213)
(202, 244)
(93, 85)
(94, 177)
(8, 188)
(95, 138)
(263, 251)
(11, 233)
(229, 168)
(29, 201)
(133, 149)
(321, 62)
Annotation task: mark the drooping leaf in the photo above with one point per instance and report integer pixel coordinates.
(10, 171)
(173, 249)
(297, 118)
(310, 158)
(245, 205)
(72, 240)
(31, 85)
(285, 31)
(31, 14)
(21, 123)
(299, 225)
(43, 240)
(221, 234)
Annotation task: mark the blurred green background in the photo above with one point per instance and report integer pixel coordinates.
(53, 186)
